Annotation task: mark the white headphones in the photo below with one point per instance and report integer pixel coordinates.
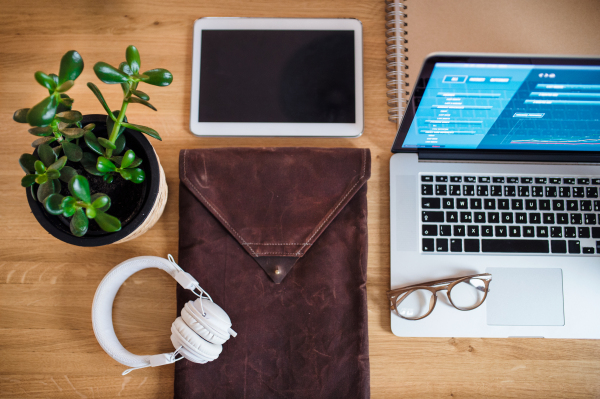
(197, 335)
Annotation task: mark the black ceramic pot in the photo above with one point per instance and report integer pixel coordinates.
(142, 201)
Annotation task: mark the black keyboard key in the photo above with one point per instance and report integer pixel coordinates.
(503, 204)
(498, 179)
(583, 232)
(428, 245)
(589, 218)
(432, 217)
(555, 180)
(587, 250)
(459, 230)
(542, 231)
(595, 232)
(429, 229)
(535, 218)
(441, 179)
(451, 217)
(558, 246)
(528, 231)
(596, 206)
(471, 245)
(462, 203)
(507, 217)
(426, 178)
(496, 191)
(570, 232)
(516, 204)
(569, 180)
(596, 181)
(441, 189)
(482, 191)
(445, 230)
(574, 246)
(493, 217)
(558, 205)
(455, 245)
(515, 246)
(468, 190)
(576, 218)
(586, 206)
(541, 180)
(441, 244)
(470, 179)
(591, 192)
(583, 181)
(430, 203)
(550, 191)
(500, 231)
(487, 231)
(572, 205)
(455, 179)
(475, 203)
(598, 246)
(479, 217)
(483, 179)
(537, 191)
(564, 192)
(466, 217)
(556, 232)
(562, 218)
(514, 231)
(578, 192)
(510, 191)
(521, 217)
(544, 205)
(489, 203)
(523, 191)
(426, 189)
(531, 205)
(512, 180)
(448, 203)
(473, 231)
(454, 189)
(526, 179)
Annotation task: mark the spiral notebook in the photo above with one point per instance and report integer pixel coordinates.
(502, 26)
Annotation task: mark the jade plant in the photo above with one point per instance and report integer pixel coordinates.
(62, 138)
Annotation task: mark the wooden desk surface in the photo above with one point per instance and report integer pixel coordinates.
(47, 347)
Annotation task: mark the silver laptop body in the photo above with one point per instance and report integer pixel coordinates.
(496, 170)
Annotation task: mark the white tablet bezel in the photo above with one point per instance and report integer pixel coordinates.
(244, 129)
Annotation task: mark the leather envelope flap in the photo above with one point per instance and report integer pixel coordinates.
(276, 202)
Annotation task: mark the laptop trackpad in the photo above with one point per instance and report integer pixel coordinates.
(525, 297)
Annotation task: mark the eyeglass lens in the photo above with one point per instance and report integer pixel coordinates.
(468, 294)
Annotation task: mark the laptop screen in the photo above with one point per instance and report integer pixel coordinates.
(504, 106)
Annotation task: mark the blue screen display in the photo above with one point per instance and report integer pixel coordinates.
(509, 107)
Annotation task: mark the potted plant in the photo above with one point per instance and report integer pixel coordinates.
(93, 180)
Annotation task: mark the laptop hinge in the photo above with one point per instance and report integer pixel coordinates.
(514, 156)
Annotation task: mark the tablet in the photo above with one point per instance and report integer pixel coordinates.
(277, 77)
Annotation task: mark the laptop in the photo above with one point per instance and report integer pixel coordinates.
(496, 170)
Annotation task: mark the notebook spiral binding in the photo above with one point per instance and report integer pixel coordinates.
(396, 58)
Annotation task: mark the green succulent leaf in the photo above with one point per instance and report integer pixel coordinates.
(125, 174)
(20, 115)
(41, 179)
(137, 175)
(65, 103)
(79, 223)
(73, 132)
(42, 140)
(47, 156)
(107, 222)
(99, 96)
(27, 162)
(158, 77)
(101, 202)
(108, 178)
(89, 127)
(109, 74)
(72, 151)
(144, 129)
(88, 161)
(124, 67)
(41, 131)
(53, 204)
(40, 168)
(133, 59)
(55, 78)
(125, 88)
(90, 212)
(136, 162)
(43, 112)
(68, 206)
(105, 166)
(106, 143)
(52, 174)
(59, 164)
(128, 159)
(45, 80)
(80, 188)
(141, 94)
(28, 180)
(33, 192)
(119, 145)
(69, 116)
(67, 173)
(92, 142)
(65, 86)
(44, 190)
(143, 102)
(71, 66)
(57, 150)
(110, 123)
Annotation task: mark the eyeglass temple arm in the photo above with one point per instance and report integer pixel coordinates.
(436, 282)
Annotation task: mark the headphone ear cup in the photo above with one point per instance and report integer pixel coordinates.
(191, 319)
(195, 348)
(214, 320)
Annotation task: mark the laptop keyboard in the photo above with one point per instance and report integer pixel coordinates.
(470, 214)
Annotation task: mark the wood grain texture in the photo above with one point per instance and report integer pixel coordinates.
(47, 347)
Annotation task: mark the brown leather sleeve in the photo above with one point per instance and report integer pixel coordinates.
(302, 332)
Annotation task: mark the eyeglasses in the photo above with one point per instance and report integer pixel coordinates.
(416, 302)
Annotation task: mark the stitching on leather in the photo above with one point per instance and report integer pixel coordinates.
(279, 243)
(212, 207)
(279, 253)
(364, 162)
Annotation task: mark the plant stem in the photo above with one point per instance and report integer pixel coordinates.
(115, 132)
